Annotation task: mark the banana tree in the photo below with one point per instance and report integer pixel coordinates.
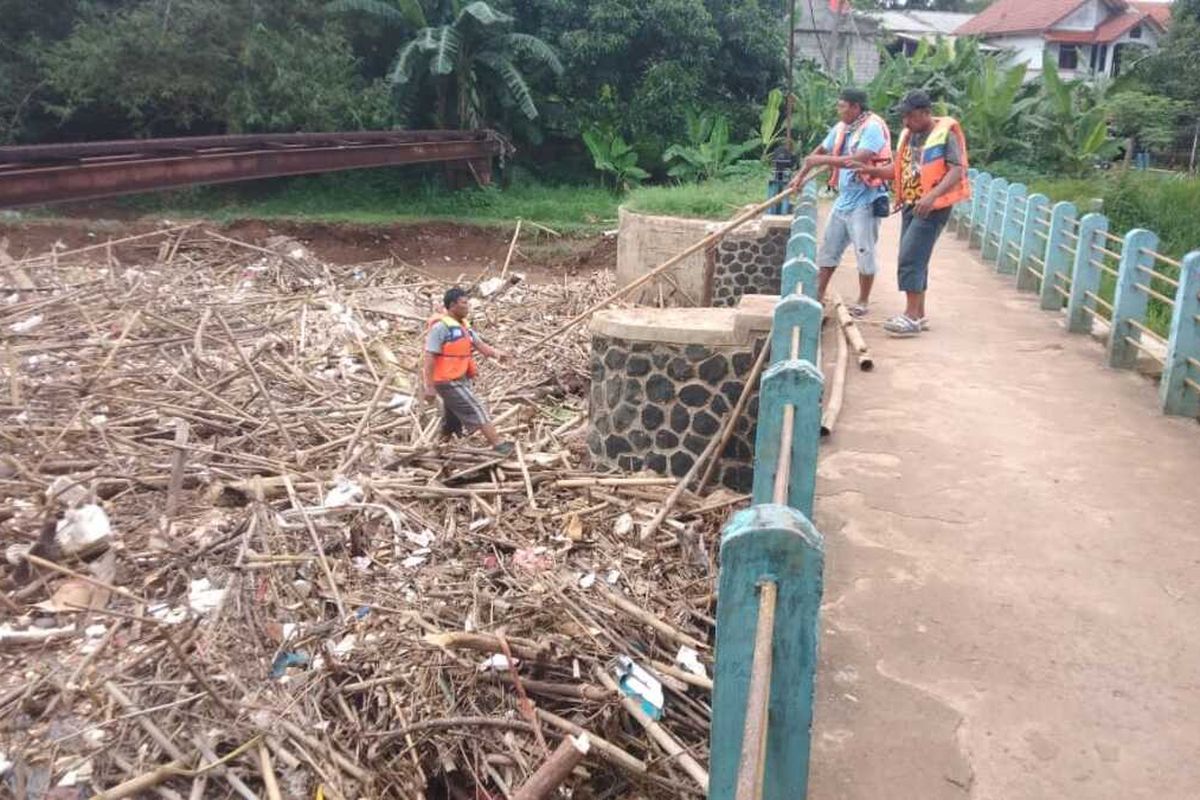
(990, 107)
(473, 60)
(612, 155)
(1072, 126)
(709, 152)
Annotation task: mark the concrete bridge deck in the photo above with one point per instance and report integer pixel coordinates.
(1012, 601)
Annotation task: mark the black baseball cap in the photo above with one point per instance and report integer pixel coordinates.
(913, 101)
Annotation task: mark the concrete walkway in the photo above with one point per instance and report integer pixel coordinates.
(1012, 599)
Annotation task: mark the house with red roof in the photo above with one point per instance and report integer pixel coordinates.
(1085, 37)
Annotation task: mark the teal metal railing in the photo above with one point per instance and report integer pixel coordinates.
(772, 559)
(1146, 302)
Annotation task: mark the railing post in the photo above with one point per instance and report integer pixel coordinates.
(1035, 204)
(799, 273)
(1085, 277)
(778, 544)
(1129, 302)
(796, 311)
(1183, 342)
(1010, 228)
(1058, 261)
(979, 198)
(962, 211)
(802, 245)
(797, 384)
(997, 196)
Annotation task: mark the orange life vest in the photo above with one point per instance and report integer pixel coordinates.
(458, 351)
(933, 165)
(882, 157)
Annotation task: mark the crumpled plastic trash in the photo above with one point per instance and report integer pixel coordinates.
(640, 685)
(27, 324)
(532, 559)
(401, 403)
(82, 527)
(689, 659)
(343, 493)
(498, 662)
(203, 598)
(286, 660)
(624, 525)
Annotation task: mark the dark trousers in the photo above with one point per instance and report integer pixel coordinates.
(918, 235)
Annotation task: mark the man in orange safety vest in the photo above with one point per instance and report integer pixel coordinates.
(858, 137)
(449, 367)
(930, 176)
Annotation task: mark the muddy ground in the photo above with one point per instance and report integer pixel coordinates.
(443, 249)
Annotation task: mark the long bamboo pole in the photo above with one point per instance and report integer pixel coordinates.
(837, 390)
(853, 334)
(707, 241)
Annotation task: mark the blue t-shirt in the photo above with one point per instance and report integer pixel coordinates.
(852, 192)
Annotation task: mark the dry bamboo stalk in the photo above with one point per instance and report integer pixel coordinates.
(731, 421)
(544, 783)
(487, 643)
(641, 614)
(707, 241)
(512, 248)
(657, 732)
(178, 461)
(837, 389)
(266, 396)
(853, 334)
(698, 681)
(316, 540)
(56, 254)
(603, 747)
(270, 784)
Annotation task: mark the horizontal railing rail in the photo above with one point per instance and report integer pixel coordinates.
(1148, 301)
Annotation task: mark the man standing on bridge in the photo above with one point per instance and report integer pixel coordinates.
(930, 175)
(859, 137)
(449, 367)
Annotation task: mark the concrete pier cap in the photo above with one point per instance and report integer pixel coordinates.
(665, 379)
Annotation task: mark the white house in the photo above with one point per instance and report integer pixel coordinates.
(1086, 37)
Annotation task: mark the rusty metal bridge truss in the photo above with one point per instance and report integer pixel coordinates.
(56, 173)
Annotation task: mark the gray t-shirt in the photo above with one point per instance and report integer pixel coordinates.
(953, 156)
(441, 333)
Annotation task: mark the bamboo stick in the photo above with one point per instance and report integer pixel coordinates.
(543, 784)
(837, 390)
(707, 241)
(853, 334)
(657, 732)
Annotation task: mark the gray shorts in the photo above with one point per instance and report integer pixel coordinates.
(918, 235)
(460, 404)
(858, 226)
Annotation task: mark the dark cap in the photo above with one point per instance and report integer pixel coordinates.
(913, 101)
(856, 96)
(453, 295)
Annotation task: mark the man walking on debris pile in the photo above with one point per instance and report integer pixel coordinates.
(449, 367)
(860, 137)
(930, 175)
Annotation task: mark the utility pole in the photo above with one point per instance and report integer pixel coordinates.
(791, 68)
(834, 61)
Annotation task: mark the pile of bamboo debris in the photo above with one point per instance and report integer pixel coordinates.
(240, 564)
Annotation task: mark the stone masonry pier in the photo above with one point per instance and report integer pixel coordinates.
(663, 381)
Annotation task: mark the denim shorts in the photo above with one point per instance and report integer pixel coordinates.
(918, 235)
(858, 226)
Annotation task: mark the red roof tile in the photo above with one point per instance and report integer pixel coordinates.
(1015, 16)
(1110, 30)
(1159, 12)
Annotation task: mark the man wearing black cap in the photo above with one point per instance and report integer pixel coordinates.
(859, 137)
(930, 176)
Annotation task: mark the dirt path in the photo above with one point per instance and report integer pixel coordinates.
(1013, 563)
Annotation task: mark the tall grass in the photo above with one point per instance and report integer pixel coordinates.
(383, 196)
(715, 199)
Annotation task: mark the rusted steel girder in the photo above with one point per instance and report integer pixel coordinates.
(59, 173)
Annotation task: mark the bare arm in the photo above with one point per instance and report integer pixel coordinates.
(807, 167)
(487, 351)
(427, 374)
